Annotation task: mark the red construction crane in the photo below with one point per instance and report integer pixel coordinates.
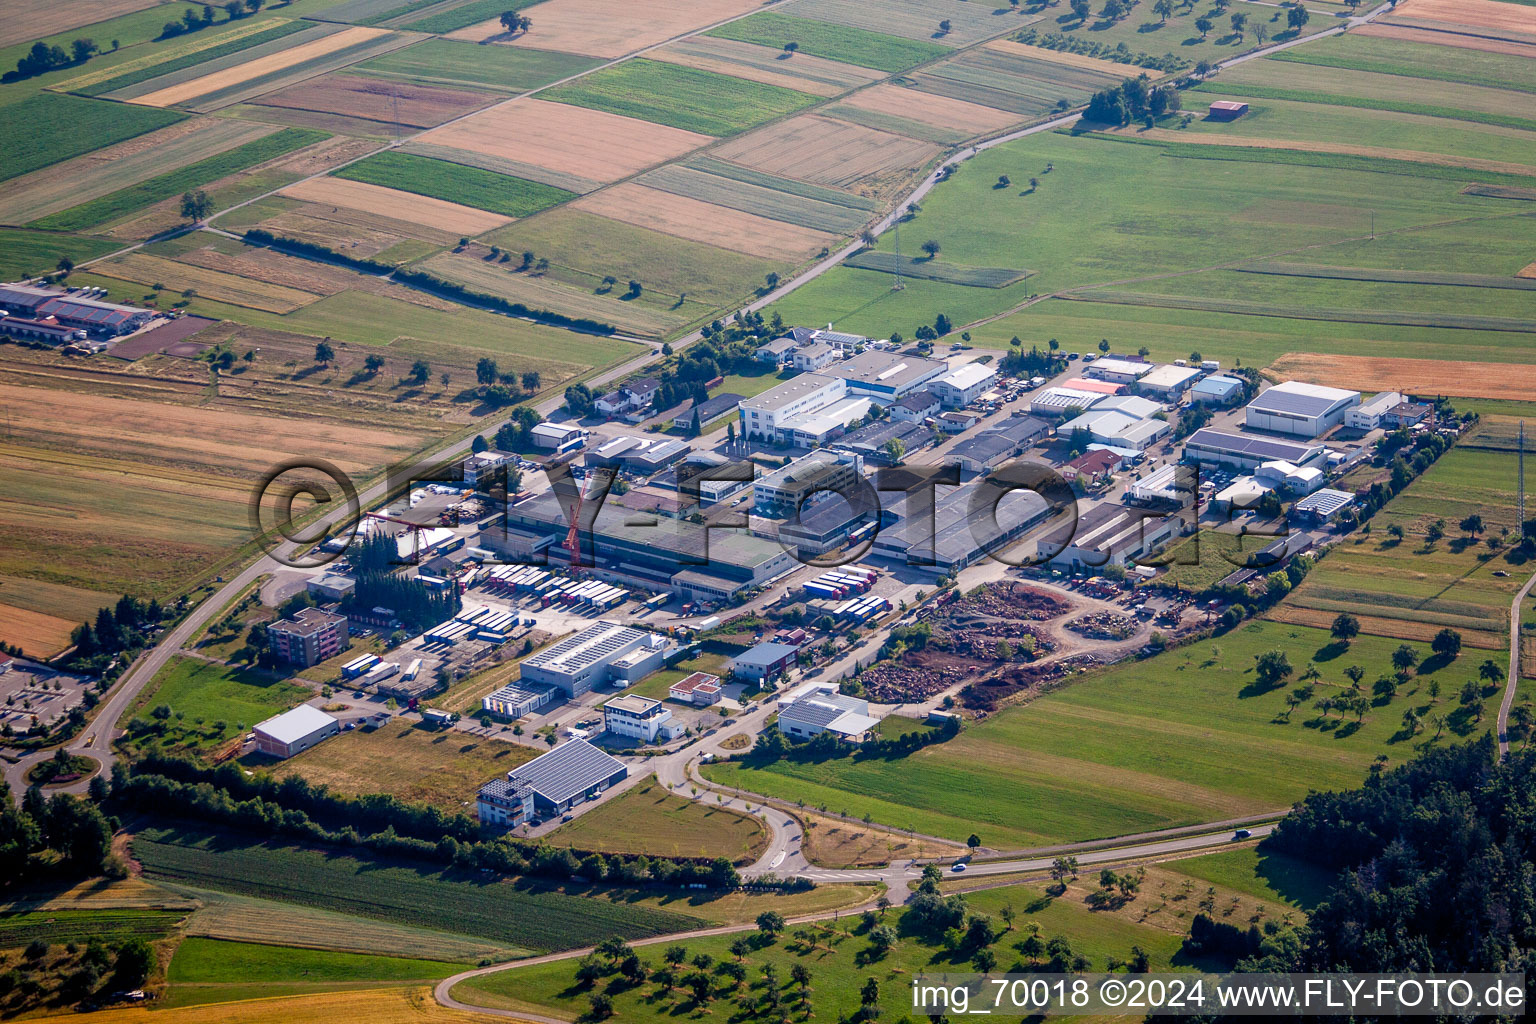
(415, 529)
(572, 538)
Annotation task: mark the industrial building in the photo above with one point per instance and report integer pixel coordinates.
(699, 689)
(1246, 451)
(671, 554)
(1367, 415)
(765, 661)
(847, 718)
(963, 385)
(998, 443)
(1118, 429)
(483, 468)
(1322, 506)
(1107, 534)
(829, 524)
(76, 310)
(816, 428)
(580, 662)
(568, 775)
(777, 351)
(784, 491)
(311, 636)
(1174, 483)
(1099, 464)
(1117, 370)
(1406, 414)
(1057, 402)
(1097, 387)
(518, 699)
(916, 407)
(763, 416)
(504, 803)
(955, 536)
(331, 586)
(558, 437)
(639, 455)
(1217, 389)
(870, 441)
(1168, 382)
(885, 376)
(634, 717)
(294, 731)
(1299, 409)
(1281, 475)
(813, 356)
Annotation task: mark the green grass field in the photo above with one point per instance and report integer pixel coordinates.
(106, 925)
(215, 971)
(469, 65)
(24, 252)
(647, 819)
(401, 892)
(33, 139)
(583, 248)
(1183, 215)
(936, 270)
(456, 183)
(1178, 739)
(682, 97)
(837, 963)
(207, 695)
(464, 15)
(835, 42)
(1269, 876)
(165, 186)
(1417, 60)
(143, 74)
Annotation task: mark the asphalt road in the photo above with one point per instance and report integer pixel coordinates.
(1512, 681)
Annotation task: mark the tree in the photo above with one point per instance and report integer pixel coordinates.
(1203, 69)
(1412, 722)
(1491, 671)
(1003, 651)
(82, 49)
(601, 1003)
(1163, 9)
(1272, 668)
(1003, 181)
(944, 27)
(1260, 32)
(195, 205)
(420, 371)
(514, 22)
(770, 923)
(1032, 947)
(931, 248)
(486, 370)
(531, 380)
(869, 994)
(324, 353)
(1063, 868)
(1297, 17)
(1404, 658)
(974, 841)
(65, 264)
(1239, 21)
(134, 960)
(1447, 644)
(374, 363)
(1345, 627)
(1204, 25)
(791, 47)
(1473, 524)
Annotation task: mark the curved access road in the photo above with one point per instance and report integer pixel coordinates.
(895, 879)
(1512, 681)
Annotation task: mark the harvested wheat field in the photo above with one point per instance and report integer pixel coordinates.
(273, 267)
(1487, 14)
(38, 635)
(567, 139)
(696, 221)
(815, 75)
(375, 1006)
(403, 206)
(600, 28)
(250, 70)
(1071, 60)
(143, 268)
(930, 108)
(1422, 35)
(359, 232)
(829, 152)
(26, 20)
(403, 103)
(1417, 376)
(1529, 270)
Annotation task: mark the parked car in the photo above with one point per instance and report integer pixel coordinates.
(958, 868)
(1242, 833)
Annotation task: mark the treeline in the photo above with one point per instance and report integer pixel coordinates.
(375, 560)
(1209, 937)
(1034, 363)
(424, 281)
(382, 824)
(1133, 99)
(74, 831)
(773, 745)
(121, 627)
(1435, 861)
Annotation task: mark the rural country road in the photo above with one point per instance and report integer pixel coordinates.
(1512, 681)
(895, 881)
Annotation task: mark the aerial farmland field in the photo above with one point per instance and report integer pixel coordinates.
(832, 41)
(597, 29)
(33, 143)
(806, 73)
(463, 185)
(825, 151)
(702, 222)
(453, 64)
(682, 97)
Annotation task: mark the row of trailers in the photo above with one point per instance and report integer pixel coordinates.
(486, 624)
(370, 669)
(551, 589)
(841, 583)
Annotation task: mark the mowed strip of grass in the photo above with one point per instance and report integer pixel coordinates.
(46, 128)
(276, 31)
(125, 201)
(1271, 876)
(460, 64)
(213, 970)
(1416, 60)
(108, 926)
(217, 693)
(648, 819)
(1398, 106)
(1178, 739)
(24, 253)
(526, 915)
(681, 97)
(834, 42)
(456, 183)
(450, 19)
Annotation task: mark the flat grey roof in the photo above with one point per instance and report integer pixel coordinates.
(884, 369)
(1251, 445)
(567, 771)
(1300, 399)
(764, 654)
(1324, 502)
(781, 395)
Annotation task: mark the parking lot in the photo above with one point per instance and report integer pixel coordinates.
(31, 694)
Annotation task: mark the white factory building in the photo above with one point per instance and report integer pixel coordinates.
(578, 663)
(1299, 409)
(294, 731)
(885, 376)
(1116, 429)
(963, 385)
(634, 717)
(764, 417)
(1168, 382)
(1118, 371)
(1212, 447)
(1367, 416)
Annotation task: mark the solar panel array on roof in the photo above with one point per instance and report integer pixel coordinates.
(1325, 502)
(1300, 399)
(1248, 444)
(567, 771)
(576, 652)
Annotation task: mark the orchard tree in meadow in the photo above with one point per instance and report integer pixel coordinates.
(931, 248)
(791, 47)
(420, 371)
(1404, 658)
(486, 370)
(1297, 17)
(531, 380)
(1272, 668)
(1345, 627)
(324, 353)
(1239, 22)
(1491, 671)
(1260, 32)
(195, 205)
(374, 363)
(1447, 644)
(944, 27)
(1080, 9)
(1204, 26)
(1163, 9)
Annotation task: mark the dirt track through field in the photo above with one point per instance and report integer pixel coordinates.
(404, 206)
(567, 139)
(697, 221)
(172, 95)
(1462, 379)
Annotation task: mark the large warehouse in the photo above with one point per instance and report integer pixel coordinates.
(568, 775)
(294, 731)
(580, 662)
(1302, 410)
(1212, 447)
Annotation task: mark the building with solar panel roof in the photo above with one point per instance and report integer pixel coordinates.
(572, 773)
(1299, 409)
(1212, 447)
